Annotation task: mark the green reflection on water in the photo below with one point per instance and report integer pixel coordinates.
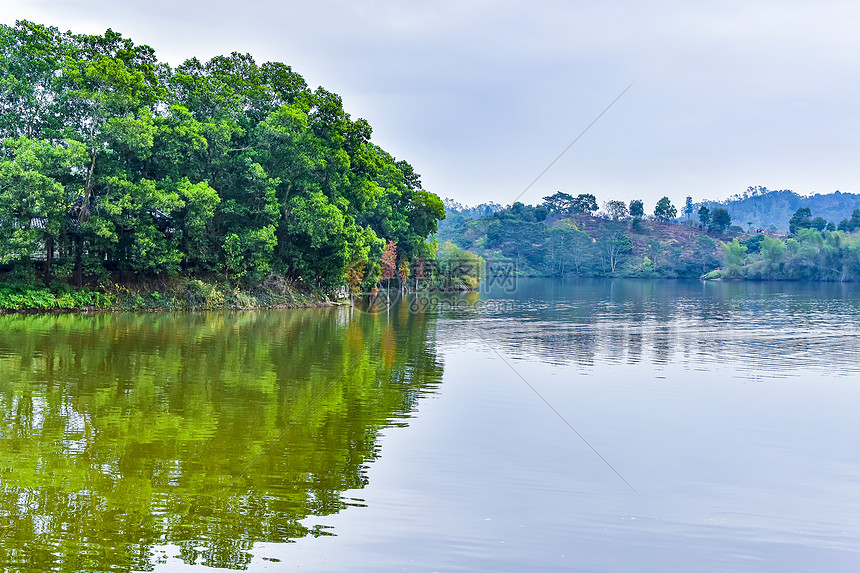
(122, 432)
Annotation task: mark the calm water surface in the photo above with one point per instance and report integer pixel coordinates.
(566, 426)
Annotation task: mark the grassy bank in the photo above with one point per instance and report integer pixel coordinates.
(178, 293)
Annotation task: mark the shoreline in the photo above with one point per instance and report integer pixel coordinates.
(154, 309)
(141, 301)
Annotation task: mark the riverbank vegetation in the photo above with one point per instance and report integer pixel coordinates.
(116, 169)
(810, 254)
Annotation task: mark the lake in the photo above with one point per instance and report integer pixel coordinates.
(545, 425)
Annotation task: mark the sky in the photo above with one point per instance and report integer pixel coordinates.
(480, 97)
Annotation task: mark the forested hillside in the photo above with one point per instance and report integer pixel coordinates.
(761, 208)
(114, 165)
(562, 237)
(541, 241)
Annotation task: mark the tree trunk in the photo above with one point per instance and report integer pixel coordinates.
(88, 187)
(79, 261)
(49, 257)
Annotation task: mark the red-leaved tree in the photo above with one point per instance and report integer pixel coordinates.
(389, 265)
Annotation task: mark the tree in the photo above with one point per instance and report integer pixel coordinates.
(37, 194)
(558, 203)
(568, 244)
(772, 256)
(616, 209)
(733, 256)
(457, 269)
(30, 87)
(128, 166)
(614, 245)
(637, 209)
(851, 224)
(720, 220)
(581, 251)
(818, 223)
(705, 253)
(234, 259)
(688, 207)
(563, 246)
(403, 273)
(389, 265)
(665, 211)
(354, 278)
(704, 216)
(802, 219)
(655, 250)
(584, 203)
(420, 266)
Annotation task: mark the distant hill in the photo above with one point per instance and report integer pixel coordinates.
(536, 243)
(771, 210)
(452, 207)
(457, 214)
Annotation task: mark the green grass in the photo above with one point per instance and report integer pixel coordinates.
(13, 298)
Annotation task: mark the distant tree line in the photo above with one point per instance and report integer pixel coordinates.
(561, 237)
(567, 235)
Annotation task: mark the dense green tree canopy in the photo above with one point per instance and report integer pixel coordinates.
(112, 162)
(809, 255)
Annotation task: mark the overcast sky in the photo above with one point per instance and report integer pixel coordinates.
(481, 96)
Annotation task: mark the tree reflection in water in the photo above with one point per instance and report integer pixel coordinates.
(208, 431)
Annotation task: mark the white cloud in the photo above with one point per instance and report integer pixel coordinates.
(480, 96)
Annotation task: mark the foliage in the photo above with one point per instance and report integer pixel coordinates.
(688, 207)
(453, 208)
(559, 203)
(733, 258)
(457, 269)
(581, 245)
(852, 224)
(665, 211)
(565, 204)
(584, 203)
(113, 163)
(613, 245)
(704, 216)
(802, 219)
(616, 209)
(720, 220)
(809, 255)
(45, 299)
(771, 209)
